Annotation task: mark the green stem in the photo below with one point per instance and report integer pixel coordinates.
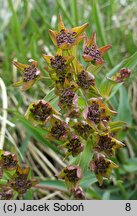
(86, 155)
(72, 63)
(47, 78)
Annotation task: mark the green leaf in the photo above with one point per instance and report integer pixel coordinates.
(3, 181)
(114, 91)
(28, 195)
(16, 28)
(86, 155)
(131, 165)
(117, 125)
(81, 99)
(115, 69)
(64, 11)
(93, 194)
(124, 109)
(24, 144)
(106, 87)
(88, 179)
(54, 103)
(50, 95)
(54, 184)
(94, 69)
(53, 99)
(74, 11)
(93, 92)
(130, 63)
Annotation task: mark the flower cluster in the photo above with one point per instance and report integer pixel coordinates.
(83, 115)
(122, 75)
(107, 144)
(72, 175)
(59, 130)
(85, 80)
(74, 146)
(20, 181)
(31, 73)
(91, 52)
(102, 167)
(40, 111)
(14, 177)
(78, 193)
(8, 160)
(66, 38)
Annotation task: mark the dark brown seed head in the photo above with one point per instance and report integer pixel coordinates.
(9, 161)
(83, 129)
(100, 165)
(123, 74)
(84, 81)
(67, 97)
(93, 52)
(30, 73)
(78, 193)
(58, 63)
(41, 111)
(21, 184)
(59, 130)
(73, 173)
(94, 113)
(75, 146)
(65, 37)
(105, 143)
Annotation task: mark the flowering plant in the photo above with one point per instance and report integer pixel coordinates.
(83, 127)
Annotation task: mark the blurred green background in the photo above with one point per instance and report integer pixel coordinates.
(24, 34)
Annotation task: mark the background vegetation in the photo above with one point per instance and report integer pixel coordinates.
(24, 34)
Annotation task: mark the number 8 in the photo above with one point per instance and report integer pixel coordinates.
(128, 207)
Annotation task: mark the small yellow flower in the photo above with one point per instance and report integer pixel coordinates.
(66, 38)
(31, 73)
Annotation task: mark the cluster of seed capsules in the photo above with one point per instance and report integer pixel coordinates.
(17, 179)
(74, 124)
